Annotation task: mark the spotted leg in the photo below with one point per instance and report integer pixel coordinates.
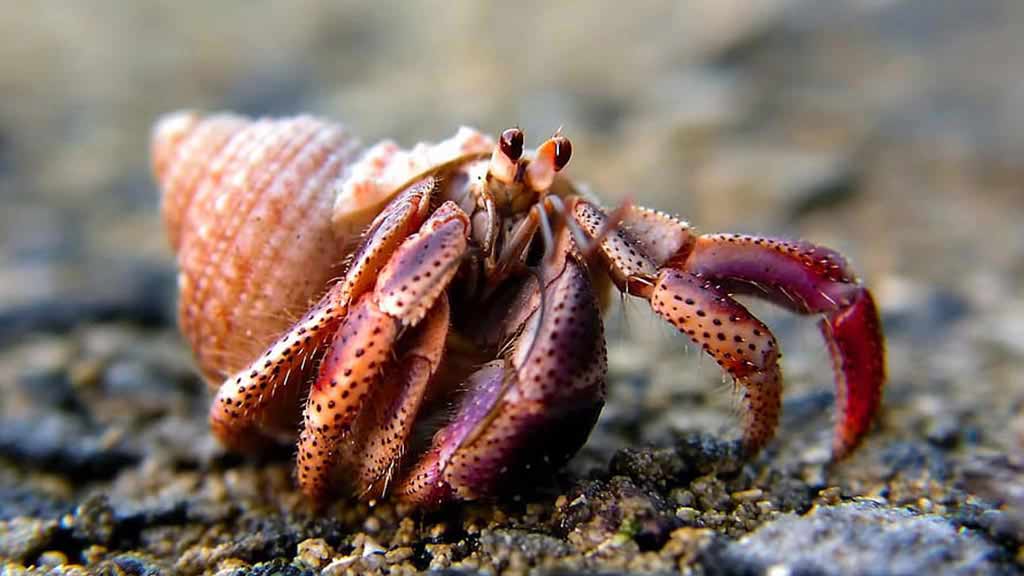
(373, 456)
(530, 410)
(262, 401)
(810, 279)
(740, 343)
(360, 353)
(689, 281)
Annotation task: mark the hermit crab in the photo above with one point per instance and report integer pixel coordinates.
(428, 321)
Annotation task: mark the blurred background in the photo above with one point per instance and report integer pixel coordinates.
(891, 130)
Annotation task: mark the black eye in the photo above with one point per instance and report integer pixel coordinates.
(511, 143)
(563, 151)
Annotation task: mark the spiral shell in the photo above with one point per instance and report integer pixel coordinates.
(247, 205)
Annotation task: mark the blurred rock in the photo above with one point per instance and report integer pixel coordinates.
(771, 182)
(924, 313)
(863, 538)
(64, 444)
(21, 537)
(141, 294)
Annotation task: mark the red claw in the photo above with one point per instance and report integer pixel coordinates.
(809, 279)
(690, 282)
(854, 336)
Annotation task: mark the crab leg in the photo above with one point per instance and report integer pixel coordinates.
(689, 280)
(257, 400)
(384, 427)
(809, 279)
(406, 288)
(528, 411)
(258, 403)
(740, 343)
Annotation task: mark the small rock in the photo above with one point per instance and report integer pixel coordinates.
(861, 538)
(398, 555)
(94, 520)
(314, 553)
(339, 566)
(277, 568)
(687, 515)
(657, 468)
(829, 496)
(52, 559)
(500, 543)
(21, 537)
(133, 564)
(372, 548)
(747, 495)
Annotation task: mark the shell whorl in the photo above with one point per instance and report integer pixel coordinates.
(247, 207)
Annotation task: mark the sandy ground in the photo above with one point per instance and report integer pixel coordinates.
(890, 130)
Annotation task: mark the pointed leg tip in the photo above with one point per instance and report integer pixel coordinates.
(755, 440)
(857, 346)
(240, 437)
(749, 449)
(841, 450)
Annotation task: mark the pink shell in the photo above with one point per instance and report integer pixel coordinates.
(247, 206)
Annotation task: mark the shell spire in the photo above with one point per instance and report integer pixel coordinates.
(247, 208)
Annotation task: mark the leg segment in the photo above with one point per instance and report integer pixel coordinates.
(407, 287)
(740, 343)
(354, 362)
(260, 403)
(809, 279)
(383, 429)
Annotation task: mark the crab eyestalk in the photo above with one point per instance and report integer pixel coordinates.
(552, 156)
(504, 164)
(517, 183)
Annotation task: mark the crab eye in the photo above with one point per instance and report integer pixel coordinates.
(563, 151)
(511, 143)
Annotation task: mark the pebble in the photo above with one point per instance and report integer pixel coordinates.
(830, 495)
(687, 515)
(372, 548)
(747, 495)
(52, 559)
(20, 536)
(372, 525)
(314, 553)
(397, 555)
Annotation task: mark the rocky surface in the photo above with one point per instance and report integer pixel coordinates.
(889, 130)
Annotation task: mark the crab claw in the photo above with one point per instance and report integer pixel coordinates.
(810, 279)
(526, 413)
(690, 280)
(854, 337)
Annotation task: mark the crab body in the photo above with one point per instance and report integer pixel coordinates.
(430, 319)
